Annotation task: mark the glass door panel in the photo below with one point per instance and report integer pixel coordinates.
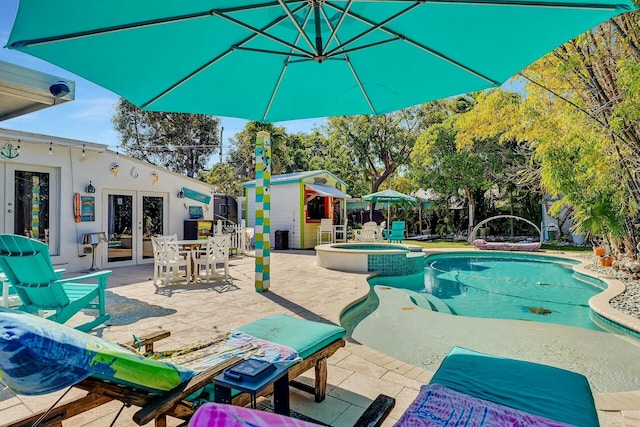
(120, 228)
(153, 218)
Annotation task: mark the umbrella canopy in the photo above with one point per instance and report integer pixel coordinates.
(389, 196)
(272, 60)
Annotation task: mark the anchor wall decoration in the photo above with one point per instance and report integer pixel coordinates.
(10, 151)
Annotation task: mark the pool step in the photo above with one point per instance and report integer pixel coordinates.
(593, 281)
(427, 301)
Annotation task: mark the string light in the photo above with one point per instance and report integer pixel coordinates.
(50, 148)
(83, 152)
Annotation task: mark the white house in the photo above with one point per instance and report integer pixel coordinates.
(61, 190)
(298, 202)
(58, 189)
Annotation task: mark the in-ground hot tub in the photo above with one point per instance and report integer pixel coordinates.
(387, 259)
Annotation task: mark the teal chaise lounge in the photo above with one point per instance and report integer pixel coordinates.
(471, 388)
(38, 356)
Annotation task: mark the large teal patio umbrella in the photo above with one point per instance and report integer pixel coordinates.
(272, 60)
(389, 196)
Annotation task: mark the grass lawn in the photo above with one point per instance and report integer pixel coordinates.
(444, 243)
(441, 243)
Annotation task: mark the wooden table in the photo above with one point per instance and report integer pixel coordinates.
(188, 245)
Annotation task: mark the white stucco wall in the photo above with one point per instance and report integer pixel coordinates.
(73, 172)
(285, 211)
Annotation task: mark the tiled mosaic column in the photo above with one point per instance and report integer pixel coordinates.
(263, 211)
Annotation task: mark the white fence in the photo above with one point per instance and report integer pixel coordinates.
(240, 235)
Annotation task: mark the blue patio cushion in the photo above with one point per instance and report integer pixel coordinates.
(543, 390)
(304, 336)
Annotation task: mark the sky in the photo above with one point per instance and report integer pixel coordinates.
(88, 117)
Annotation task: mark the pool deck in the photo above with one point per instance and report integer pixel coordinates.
(356, 374)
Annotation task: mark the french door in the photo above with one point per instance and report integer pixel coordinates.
(32, 203)
(132, 218)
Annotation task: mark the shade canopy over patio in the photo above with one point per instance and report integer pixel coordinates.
(290, 59)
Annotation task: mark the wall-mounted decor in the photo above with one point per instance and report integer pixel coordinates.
(154, 177)
(88, 208)
(195, 212)
(77, 204)
(114, 168)
(10, 151)
(194, 195)
(134, 172)
(90, 188)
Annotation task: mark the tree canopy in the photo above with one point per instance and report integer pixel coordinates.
(180, 142)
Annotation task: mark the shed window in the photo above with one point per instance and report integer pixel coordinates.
(316, 206)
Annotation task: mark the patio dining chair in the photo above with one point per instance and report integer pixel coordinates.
(27, 266)
(214, 252)
(169, 260)
(157, 268)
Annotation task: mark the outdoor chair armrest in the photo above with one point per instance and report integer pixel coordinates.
(101, 276)
(377, 412)
(166, 402)
(147, 340)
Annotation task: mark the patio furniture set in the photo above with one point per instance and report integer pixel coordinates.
(41, 356)
(371, 232)
(185, 260)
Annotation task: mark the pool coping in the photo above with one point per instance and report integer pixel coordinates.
(328, 247)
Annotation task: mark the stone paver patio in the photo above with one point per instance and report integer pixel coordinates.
(356, 374)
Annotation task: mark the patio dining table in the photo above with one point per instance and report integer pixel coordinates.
(187, 247)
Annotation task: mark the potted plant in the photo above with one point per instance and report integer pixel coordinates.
(606, 260)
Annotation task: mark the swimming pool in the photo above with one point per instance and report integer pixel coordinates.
(401, 319)
(500, 286)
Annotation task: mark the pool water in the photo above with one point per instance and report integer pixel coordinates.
(540, 289)
(513, 287)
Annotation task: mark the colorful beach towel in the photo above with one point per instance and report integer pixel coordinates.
(437, 405)
(202, 356)
(219, 415)
(38, 356)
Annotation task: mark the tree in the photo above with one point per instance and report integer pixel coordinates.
(436, 163)
(375, 147)
(242, 154)
(180, 142)
(224, 180)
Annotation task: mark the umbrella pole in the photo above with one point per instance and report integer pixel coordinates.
(388, 216)
(263, 212)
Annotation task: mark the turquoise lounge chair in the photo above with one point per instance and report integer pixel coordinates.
(396, 235)
(40, 357)
(487, 390)
(27, 266)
